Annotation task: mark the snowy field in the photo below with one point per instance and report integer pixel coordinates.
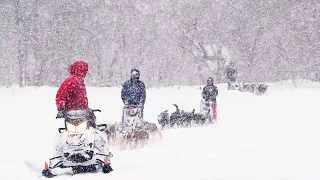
(274, 136)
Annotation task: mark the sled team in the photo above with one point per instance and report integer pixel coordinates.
(231, 74)
(72, 94)
(82, 146)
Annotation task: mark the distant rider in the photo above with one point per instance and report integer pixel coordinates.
(210, 93)
(230, 74)
(133, 91)
(72, 94)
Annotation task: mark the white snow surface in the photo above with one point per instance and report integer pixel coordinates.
(273, 136)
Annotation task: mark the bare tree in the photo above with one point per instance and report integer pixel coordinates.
(172, 42)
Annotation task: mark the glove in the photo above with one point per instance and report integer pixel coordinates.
(140, 106)
(126, 104)
(61, 113)
(90, 115)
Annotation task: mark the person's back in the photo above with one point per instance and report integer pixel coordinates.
(72, 94)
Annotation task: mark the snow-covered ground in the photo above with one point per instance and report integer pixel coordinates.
(274, 136)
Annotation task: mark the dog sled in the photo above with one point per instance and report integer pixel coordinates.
(209, 109)
(132, 132)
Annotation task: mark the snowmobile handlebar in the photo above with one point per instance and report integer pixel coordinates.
(130, 106)
(105, 126)
(95, 110)
(101, 127)
(61, 130)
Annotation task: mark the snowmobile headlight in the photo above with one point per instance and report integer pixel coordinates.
(82, 126)
(76, 128)
(70, 127)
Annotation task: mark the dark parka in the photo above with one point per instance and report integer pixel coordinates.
(133, 92)
(210, 93)
(231, 73)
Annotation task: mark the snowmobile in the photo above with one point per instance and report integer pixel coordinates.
(79, 148)
(206, 107)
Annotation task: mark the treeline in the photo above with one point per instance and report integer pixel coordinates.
(172, 42)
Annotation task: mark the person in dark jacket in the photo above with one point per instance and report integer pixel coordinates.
(231, 74)
(133, 91)
(72, 94)
(210, 93)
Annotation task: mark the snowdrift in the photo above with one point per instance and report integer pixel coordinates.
(275, 136)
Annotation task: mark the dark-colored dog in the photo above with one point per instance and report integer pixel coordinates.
(254, 88)
(262, 88)
(152, 129)
(187, 117)
(163, 119)
(175, 117)
(180, 118)
(246, 87)
(200, 119)
(184, 119)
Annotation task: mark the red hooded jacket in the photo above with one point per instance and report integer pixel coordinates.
(72, 94)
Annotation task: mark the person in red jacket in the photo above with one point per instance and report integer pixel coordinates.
(72, 94)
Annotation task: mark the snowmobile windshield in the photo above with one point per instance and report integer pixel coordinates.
(76, 115)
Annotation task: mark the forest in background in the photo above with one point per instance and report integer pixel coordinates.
(172, 42)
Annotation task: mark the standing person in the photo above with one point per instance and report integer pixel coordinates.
(134, 91)
(72, 94)
(210, 93)
(230, 74)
